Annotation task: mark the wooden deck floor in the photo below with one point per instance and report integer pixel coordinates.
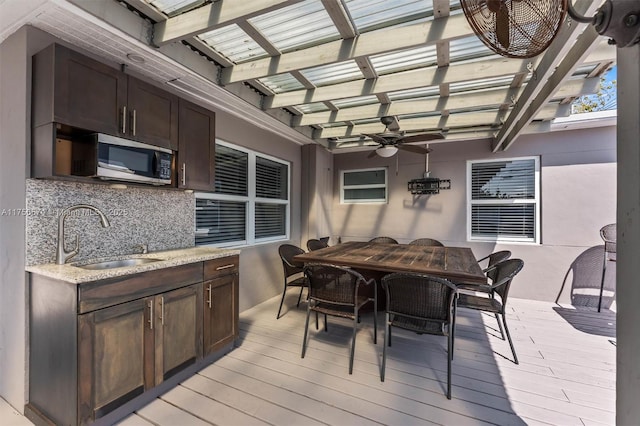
(566, 374)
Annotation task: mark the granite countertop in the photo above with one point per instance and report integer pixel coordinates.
(73, 274)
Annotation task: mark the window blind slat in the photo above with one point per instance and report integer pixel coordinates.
(231, 171)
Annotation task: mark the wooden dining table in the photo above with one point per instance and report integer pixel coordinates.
(457, 264)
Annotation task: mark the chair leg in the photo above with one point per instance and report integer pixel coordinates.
(353, 343)
(316, 320)
(387, 328)
(449, 357)
(282, 301)
(452, 331)
(306, 330)
(500, 326)
(375, 323)
(506, 329)
(326, 324)
(300, 296)
(604, 272)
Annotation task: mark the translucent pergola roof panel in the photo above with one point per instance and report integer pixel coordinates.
(300, 25)
(421, 92)
(235, 44)
(175, 7)
(386, 63)
(467, 48)
(333, 73)
(584, 70)
(357, 101)
(369, 15)
(482, 83)
(281, 83)
(313, 107)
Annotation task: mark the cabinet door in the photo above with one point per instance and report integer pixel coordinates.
(88, 94)
(196, 148)
(178, 330)
(115, 357)
(220, 312)
(153, 115)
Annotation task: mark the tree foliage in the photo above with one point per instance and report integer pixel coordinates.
(604, 99)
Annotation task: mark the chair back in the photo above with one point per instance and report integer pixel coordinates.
(505, 271)
(383, 240)
(315, 244)
(428, 242)
(291, 267)
(419, 296)
(494, 259)
(608, 234)
(333, 284)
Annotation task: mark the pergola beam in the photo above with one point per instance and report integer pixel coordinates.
(486, 99)
(549, 74)
(370, 43)
(212, 16)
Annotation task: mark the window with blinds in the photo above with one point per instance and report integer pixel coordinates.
(363, 186)
(251, 201)
(504, 200)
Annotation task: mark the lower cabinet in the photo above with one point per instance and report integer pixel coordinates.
(115, 357)
(93, 349)
(220, 303)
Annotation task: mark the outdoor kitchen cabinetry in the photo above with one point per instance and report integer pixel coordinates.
(74, 90)
(196, 148)
(220, 303)
(117, 343)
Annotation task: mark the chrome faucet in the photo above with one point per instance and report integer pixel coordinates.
(61, 254)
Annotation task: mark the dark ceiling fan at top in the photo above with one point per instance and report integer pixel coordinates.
(392, 140)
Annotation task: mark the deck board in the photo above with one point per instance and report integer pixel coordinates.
(566, 373)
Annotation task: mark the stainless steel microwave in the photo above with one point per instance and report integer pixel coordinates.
(131, 161)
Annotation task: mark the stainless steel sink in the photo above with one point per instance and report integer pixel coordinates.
(112, 264)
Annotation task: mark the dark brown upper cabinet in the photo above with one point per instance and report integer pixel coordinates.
(72, 89)
(196, 147)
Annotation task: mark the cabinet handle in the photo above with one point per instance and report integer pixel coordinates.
(124, 119)
(162, 310)
(209, 297)
(133, 122)
(184, 174)
(220, 268)
(150, 303)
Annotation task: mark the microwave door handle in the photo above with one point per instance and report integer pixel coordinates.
(155, 162)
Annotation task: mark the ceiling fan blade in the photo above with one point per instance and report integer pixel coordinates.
(422, 137)
(502, 26)
(377, 138)
(414, 148)
(372, 154)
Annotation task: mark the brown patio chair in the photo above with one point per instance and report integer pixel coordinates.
(608, 234)
(504, 273)
(428, 242)
(293, 271)
(421, 303)
(383, 240)
(338, 291)
(315, 244)
(489, 271)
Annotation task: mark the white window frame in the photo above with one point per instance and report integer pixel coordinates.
(251, 199)
(344, 187)
(519, 201)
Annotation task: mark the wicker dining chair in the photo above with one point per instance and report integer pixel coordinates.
(489, 271)
(504, 273)
(338, 291)
(293, 271)
(315, 244)
(383, 240)
(428, 242)
(608, 235)
(421, 303)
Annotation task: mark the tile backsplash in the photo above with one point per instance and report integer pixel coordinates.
(161, 218)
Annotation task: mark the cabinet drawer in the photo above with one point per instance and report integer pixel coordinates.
(220, 267)
(104, 293)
